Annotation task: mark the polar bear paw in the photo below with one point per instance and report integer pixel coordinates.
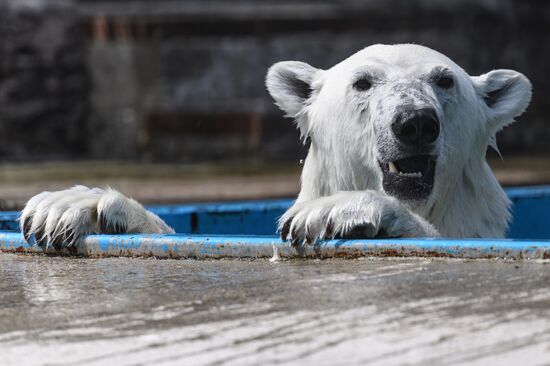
(62, 218)
(350, 215)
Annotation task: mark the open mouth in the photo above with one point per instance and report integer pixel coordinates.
(410, 178)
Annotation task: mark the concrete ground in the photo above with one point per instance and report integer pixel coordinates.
(169, 183)
(121, 311)
(150, 183)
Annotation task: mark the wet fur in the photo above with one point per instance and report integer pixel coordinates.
(350, 132)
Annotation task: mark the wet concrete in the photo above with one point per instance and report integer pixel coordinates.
(123, 311)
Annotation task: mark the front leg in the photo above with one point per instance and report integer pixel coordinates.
(364, 214)
(62, 218)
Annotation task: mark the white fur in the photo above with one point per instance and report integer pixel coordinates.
(347, 210)
(341, 179)
(62, 218)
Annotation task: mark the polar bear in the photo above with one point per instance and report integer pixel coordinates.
(398, 137)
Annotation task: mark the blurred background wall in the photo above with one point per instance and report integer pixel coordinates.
(183, 81)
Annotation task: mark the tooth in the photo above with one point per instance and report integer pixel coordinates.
(393, 169)
(411, 175)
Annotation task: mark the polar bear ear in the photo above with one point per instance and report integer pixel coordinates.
(289, 83)
(507, 93)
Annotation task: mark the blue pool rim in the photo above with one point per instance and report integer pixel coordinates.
(216, 247)
(531, 207)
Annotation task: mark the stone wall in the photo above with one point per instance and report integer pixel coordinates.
(44, 84)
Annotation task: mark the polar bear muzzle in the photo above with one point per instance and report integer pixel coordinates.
(408, 168)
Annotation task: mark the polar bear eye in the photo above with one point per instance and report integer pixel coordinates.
(445, 82)
(362, 84)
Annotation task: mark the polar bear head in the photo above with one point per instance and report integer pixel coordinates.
(403, 118)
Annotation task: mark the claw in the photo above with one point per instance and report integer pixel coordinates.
(122, 228)
(111, 227)
(69, 237)
(310, 239)
(102, 223)
(40, 238)
(295, 239)
(57, 240)
(57, 244)
(27, 223)
(285, 229)
(116, 228)
(329, 231)
(294, 234)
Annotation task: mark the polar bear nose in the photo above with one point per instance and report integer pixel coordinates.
(416, 128)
